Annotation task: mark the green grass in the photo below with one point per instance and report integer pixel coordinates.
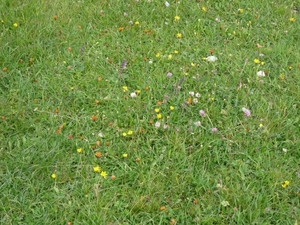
(62, 89)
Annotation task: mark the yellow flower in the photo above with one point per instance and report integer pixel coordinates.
(137, 23)
(103, 174)
(176, 52)
(97, 169)
(260, 125)
(53, 175)
(157, 55)
(156, 110)
(130, 132)
(159, 116)
(204, 9)
(124, 134)
(285, 184)
(256, 61)
(15, 25)
(192, 64)
(177, 18)
(281, 77)
(292, 19)
(125, 88)
(241, 10)
(262, 63)
(170, 57)
(125, 155)
(172, 108)
(138, 91)
(79, 150)
(179, 35)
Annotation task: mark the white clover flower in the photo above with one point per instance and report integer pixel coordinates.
(197, 124)
(157, 124)
(167, 4)
(133, 95)
(211, 58)
(225, 203)
(261, 73)
(191, 93)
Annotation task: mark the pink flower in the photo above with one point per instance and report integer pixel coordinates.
(169, 74)
(214, 130)
(247, 112)
(202, 113)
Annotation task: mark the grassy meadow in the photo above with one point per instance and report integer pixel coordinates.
(149, 112)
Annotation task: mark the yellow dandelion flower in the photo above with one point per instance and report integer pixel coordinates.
(53, 175)
(156, 110)
(193, 64)
(103, 174)
(97, 169)
(137, 23)
(124, 134)
(125, 88)
(172, 108)
(179, 35)
(125, 155)
(281, 77)
(285, 184)
(175, 52)
(138, 91)
(79, 150)
(130, 132)
(292, 19)
(176, 18)
(256, 61)
(260, 125)
(157, 55)
(170, 57)
(262, 63)
(15, 25)
(159, 116)
(204, 9)
(241, 10)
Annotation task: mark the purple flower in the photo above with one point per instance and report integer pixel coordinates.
(247, 112)
(214, 130)
(202, 113)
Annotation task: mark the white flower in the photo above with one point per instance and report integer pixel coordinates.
(225, 203)
(197, 124)
(167, 4)
(191, 93)
(284, 150)
(195, 100)
(133, 95)
(197, 95)
(261, 73)
(157, 124)
(211, 58)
